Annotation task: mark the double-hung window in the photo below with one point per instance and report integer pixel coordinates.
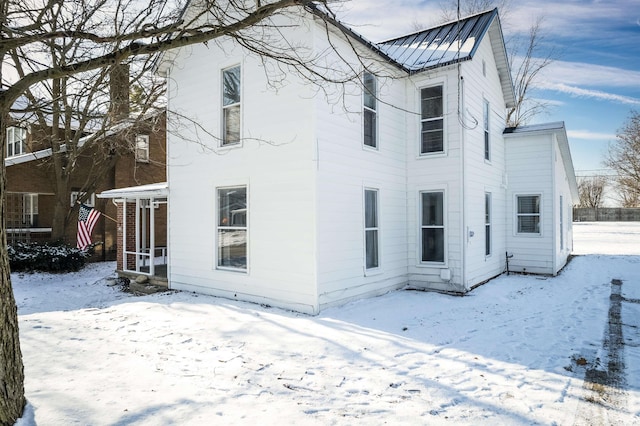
(232, 228)
(231, 106)
(30, 209)
(142, 148)
(528, 214)
(16, 141)
(432, 226)
(486, 111)
(432, 120)
(370, 110)
(371, 227)
(487, 223)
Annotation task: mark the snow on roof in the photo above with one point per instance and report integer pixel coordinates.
(160, 189)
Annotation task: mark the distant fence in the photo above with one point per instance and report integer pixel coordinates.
(606, 214)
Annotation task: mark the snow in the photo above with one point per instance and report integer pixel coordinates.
(504, 354)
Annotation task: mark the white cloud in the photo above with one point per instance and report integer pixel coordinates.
(589, 93)
(583, 74)
(589, 135)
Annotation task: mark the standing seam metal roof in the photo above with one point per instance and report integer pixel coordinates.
(449, 43)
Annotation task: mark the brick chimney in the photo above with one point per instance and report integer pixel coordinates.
(119, 92)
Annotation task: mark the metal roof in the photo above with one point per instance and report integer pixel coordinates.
(443, 45)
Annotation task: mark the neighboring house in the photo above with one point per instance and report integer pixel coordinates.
(30, 186)
(410, 180)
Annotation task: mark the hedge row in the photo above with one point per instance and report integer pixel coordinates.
(46, 257)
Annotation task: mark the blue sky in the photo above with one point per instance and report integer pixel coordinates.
(593, 84)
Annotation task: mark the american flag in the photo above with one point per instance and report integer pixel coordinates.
(87, 218)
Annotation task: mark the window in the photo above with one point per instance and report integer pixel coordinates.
(561, 223)
(142, 148)
(232, 227)
(30, 209)
(432, 226)
(487, 145)
(487, 223)
(432, 135)
(16, 141)
(369, 100)
(528, 214)
(89, 202)
(371, 227)
(231, 106)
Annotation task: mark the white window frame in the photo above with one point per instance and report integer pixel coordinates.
(142, 148)
(431, 120)
(29, 208)
(561, 222)
(372, 228)
(226, 107)
(488, 217)
(519, 215)
(422, 226)
(370, 107)
(89, 202)
(486, 119)
(16, 143)
(230, 227)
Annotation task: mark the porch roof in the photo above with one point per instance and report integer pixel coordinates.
(152, 190)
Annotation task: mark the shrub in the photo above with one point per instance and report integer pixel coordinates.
(46, 257)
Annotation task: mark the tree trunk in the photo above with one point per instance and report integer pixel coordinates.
(60, 211)
(12, 399)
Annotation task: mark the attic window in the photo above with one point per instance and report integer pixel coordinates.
(484, 68)
(231, 106)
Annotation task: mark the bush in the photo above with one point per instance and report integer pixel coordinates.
(46, 257)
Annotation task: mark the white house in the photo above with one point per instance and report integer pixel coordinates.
(286, 197)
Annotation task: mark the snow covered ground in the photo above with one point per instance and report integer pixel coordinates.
(509, 353)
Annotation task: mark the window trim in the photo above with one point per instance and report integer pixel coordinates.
(442, 118)
(444, 226)
(488, 226)
(90, 202)
(373, 110)
(21, 142)
(145, 148)
(517, 215)
(30, 217)
(486, 118)
(561, 222)
(223, 108)
(218, 227)
(376, 229)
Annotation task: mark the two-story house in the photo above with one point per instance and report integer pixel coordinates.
(281, 196)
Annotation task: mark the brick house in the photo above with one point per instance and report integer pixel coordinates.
(30, 187)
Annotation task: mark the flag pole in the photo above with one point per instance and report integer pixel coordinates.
(107, 216)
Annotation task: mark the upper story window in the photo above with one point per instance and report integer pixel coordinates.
(370, 110)
(432, 120)
(528, 214)
(231, 106)
(89, 202)
(16, 141)
(486, 111)
(232, 228)
(142, 148)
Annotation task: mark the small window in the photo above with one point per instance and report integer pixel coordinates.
(371, 227)
(484, 68)
(89, 202)
(232, 228)
(528, 214)
(432, 226)
(561, 223)
(30, 209)
(486, 110)
(142, 148)
(487, 224)
(370, 110)
(16, 141)
(231, 106)
(432, 121)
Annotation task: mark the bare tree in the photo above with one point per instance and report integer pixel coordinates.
(591, 191)
(56, 47)
(526, 55)
(624, 158)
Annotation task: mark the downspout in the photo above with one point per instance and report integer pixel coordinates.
(463, 225)
(554, 195)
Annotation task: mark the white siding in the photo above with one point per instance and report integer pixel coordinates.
(562, 189)
(530, 168)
